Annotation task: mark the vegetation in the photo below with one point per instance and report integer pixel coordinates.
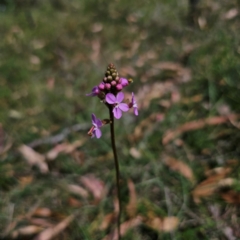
(179, 158)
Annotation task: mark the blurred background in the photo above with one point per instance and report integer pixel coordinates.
(179, 159)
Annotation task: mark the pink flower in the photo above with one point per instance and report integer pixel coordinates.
(118, 105)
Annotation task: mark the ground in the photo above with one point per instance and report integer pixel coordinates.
(179, 158)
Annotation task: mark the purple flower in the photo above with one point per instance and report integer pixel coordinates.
(118, 105)
(124, 82)
(134, 105)
(95, 92)
(97, 123)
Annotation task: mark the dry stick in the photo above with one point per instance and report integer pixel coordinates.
(60, 136)
(116, 167)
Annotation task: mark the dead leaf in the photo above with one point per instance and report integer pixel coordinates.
(50, 83)
(105, 157)
(15, 114)
(52, 232)
(179, 166)
(74, 202)
(174, 70)
(231, 196)
(169, 224)
(165, 103)
(107, 221)
(194, 99)
(40, 222)
(227, 182)
(64, 148)
(202, 22)
(225, 110)
(18, 219)
(232, 13)
(211, 184)
(116, 205)
(96, 48)
(194, 125)
(155, 223)
(42, 212)
(34, 158)
(26, 231)
(218, 171)
(128, 70)
(38, 44)
(132, 204)
(78, 190)
(96, 27)
(135, 153)
(34, 60)
(148, 92)
(145, 126)
(25, 180)
(95, 186)
(124, 228)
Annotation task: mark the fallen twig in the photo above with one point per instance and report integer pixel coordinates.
(60, 136)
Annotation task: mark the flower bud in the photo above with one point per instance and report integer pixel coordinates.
(119, 87)
(114, 75)
(130, 80)
(124, 82)
(101, 86)
(113, 83)
(107, 73)
(108, 86)
(109, 78)
(105, 79)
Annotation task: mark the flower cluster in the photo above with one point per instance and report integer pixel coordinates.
(110, 92)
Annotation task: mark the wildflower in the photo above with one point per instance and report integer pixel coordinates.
(118, 105)
(95, 130)
(95, 92)
(134, 105)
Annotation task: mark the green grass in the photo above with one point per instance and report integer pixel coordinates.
(71, 44)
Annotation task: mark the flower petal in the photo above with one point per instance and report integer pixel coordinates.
(136, 111)
(94, 92)
(117, 113)
(133, 99)
(98, 133)
(99, 122)
(110, 98)
(94, 119)
(120, 97)
(123, 106)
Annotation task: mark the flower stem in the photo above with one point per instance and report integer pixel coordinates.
(116, 168)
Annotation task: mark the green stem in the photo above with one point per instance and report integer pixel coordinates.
(116, 168)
